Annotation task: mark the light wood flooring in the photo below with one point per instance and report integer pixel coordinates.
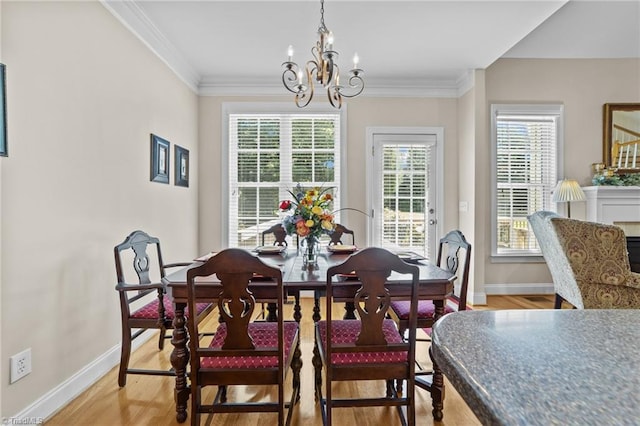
(148, 400)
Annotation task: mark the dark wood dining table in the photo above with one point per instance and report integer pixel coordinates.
(435, 284)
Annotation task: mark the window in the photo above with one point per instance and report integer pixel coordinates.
(526, 141)
(269, 154)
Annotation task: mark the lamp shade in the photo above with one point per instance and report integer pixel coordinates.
(568, 190)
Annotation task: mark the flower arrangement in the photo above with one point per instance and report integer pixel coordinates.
(311, 212)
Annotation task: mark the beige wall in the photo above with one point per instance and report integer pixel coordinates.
(582, 86)
(470, 162)
(83, 96)
(361, 113)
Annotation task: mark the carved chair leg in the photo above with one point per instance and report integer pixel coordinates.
(437, 390)
(296, 366)
(317, 368)
(390, 388)
(125, 354)
(163, 332)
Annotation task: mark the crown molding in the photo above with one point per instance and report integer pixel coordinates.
(131, 15)
(136, 21)
(465, 83)
(380, 88)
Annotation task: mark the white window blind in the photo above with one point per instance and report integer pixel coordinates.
(526, 141)
(269, 154)
(405, 182)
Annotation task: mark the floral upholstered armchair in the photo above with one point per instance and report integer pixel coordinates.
(588, 261)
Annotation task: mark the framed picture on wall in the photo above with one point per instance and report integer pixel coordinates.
(3, 113)
(181, 166)
(160, 159)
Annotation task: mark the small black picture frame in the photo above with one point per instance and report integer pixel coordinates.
(3, 114)
(181, 166)
(160, 159)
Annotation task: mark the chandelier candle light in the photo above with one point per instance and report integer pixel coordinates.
(323, 69)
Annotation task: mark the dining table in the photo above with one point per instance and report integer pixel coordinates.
(435, 284)
(543, 367)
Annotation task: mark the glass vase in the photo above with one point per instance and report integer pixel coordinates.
(310, 249)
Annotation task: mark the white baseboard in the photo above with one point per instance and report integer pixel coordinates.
(477, 299)
(58, 397)
(517, 289)
(480, 298)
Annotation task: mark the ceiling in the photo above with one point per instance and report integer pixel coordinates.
(419, 47)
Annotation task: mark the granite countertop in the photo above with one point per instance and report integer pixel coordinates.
(529, 367)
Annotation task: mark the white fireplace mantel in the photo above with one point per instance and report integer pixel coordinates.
(613, 204)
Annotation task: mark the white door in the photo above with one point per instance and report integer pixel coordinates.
(404, 188)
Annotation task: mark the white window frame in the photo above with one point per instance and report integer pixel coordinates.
(229, 108)
(556, 110)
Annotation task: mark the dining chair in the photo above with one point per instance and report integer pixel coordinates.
(338, 232)
(454, 255)
(242, 352)
(588, 261)
(370, 347)
(277, 233)
(154, 314)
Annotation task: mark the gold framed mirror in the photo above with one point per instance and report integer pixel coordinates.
(621, 137)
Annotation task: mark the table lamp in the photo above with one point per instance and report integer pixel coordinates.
(568, 190)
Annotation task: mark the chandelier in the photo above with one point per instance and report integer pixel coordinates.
(323, 69)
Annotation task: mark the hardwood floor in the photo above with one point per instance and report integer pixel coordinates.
(148, 400)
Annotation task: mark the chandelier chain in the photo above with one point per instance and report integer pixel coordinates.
(322, 28)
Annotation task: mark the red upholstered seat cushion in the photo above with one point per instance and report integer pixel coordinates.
(150, 310)
(264, 335)
(426, 309)
(347, 331)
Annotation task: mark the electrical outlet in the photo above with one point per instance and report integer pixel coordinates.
(20, 365)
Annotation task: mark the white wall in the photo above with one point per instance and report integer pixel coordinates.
(83, 96)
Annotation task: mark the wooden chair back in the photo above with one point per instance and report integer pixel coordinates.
(239, 341)
(338, 232)
(454, 255)
(373, 267)
(277, 233)
(142, 280)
